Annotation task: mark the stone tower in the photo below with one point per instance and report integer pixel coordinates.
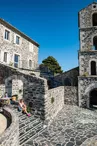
(87, 80)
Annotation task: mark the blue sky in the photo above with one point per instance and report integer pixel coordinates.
(51, 23)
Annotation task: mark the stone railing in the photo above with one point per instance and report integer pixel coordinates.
(10, 137)
(54, 102)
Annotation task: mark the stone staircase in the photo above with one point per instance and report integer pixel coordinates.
(29, 127)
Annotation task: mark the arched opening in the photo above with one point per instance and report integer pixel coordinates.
(93, 68)
(93, 97)
(67, 82)
(94, 19)
(95, 43)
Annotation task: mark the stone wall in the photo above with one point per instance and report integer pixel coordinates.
(60, 96)
(10, 137)
(34, 88)
(54, 102)
(71, 95)
(69, 78)
(86, 85)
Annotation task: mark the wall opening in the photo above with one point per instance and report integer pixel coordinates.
(94, 19)
(93, 68)
(93, 97)
(95, 43)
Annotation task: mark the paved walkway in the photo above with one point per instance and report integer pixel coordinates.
(71, 127)
(3, 123)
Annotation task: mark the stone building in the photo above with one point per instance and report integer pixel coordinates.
(16, 48)
(87, 80)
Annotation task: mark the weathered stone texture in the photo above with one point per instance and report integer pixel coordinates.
(71, 95)
(34, 88)
(11, 135)
(69, 78)
(86, 84)
(87, 30)
(85, 15)
(52, 109)
(61, 95)
(85, 59)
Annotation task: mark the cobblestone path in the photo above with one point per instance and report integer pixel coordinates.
(71, 127)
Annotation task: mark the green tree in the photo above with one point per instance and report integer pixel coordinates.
(52, 64)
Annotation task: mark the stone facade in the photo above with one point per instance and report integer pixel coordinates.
(13, 42)
(10, 137)
(87, 55)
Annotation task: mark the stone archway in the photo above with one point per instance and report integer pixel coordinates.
(93, 97)
(91, 93)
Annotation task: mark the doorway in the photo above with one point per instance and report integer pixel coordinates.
(93, 98)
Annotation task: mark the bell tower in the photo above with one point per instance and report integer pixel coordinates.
(87, 80)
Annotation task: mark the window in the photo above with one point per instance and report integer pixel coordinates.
(17, 40)
(95, 43)
(30, 63)
(94, 19)
(93, 68)
(5, 56)
(16, 60)
(7, 33)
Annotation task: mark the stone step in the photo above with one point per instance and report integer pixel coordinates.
(32, 133)
(32, 141)
(26, 121)
(29, 125)
(28, 128)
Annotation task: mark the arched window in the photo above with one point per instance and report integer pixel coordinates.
(30, 64)
(95, 43)
(94, 19)
(93, 68)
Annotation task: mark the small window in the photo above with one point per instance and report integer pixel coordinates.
(95, 43)
(7, 33)
(17, 40)
(30, 63)
(93, 68)
(16, 60)
(94, 19)
(5, 56)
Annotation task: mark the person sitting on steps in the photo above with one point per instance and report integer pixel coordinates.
(22, 107)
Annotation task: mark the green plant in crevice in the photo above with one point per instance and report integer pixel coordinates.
(52, 100)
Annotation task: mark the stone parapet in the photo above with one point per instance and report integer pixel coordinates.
(54, 102)
(10, 137)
